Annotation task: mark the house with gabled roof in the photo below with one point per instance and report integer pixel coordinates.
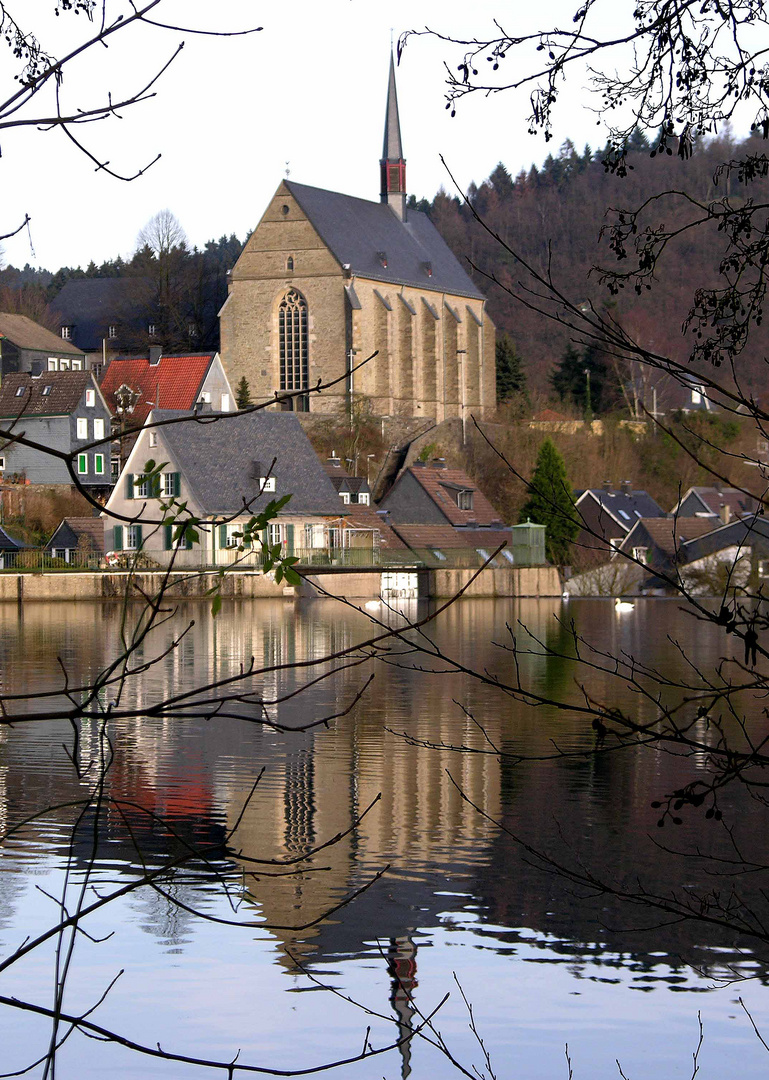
(103, 315)
(77, 538)
(327, 281)
(167, 382)
(226, 467)
(62, 411)
(608, 514)
(722, 503)
(433, 493)
(27, 346)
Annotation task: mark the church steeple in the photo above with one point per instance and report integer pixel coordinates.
(393, 164)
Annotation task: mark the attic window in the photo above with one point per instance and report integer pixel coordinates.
(465, 500)
(382, 256)
(66, 332)
(284, 209)
(439, 555)
(112, 332)
(428, 268)
(290, 262)
(20, 390)
(46, 391)
(152, 330)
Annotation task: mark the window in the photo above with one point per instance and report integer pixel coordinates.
(275, 534)
(205, 397)
(98, 428)
(292, 328)
(98, 464)
(314, 536)
(345, 497)
(233, 535)
(225, 402)
(63, 365)
(112, 332)
(763, 564)
(46, 391)
(267, 483)
(153, 439)
(170, 485)
(114, 469)
(465, 500)
(192, 330)
(290, 262)
(82, 427)
(20, 391)
(624, 514)
(439, 555)
(77, 365)
(284, 209)
(53, 364)
(152, 329)
(697, 396)
(640, 554)
(363, 498)
(82, 464)
(139, 487)
(133, 537)
(66, 332)
(2, 463)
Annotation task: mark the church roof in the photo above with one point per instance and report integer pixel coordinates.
(376, 244)
(392, 149)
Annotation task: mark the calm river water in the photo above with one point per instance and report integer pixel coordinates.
(542, 963)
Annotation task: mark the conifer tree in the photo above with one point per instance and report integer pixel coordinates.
(551, 503)
(511, 378)
(243, 394)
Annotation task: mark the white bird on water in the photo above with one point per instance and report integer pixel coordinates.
(623, 605)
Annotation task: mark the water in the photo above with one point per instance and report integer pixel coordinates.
(543, 962)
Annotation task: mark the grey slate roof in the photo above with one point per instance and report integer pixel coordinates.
(744, 533)
(218, 457)
(66, 390)
(356, 229)
(392, 149)
(625, 507)
(91, 304)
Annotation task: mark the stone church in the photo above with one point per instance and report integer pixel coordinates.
(326, 280)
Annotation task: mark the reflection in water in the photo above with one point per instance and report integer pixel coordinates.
(455, 882)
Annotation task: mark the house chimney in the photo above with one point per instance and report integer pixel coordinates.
(607, 485)
(725, 513)
(155, 353)
(625, 485)
(439, 463)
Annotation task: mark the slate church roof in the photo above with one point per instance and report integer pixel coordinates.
(359, 232)
(221, 456)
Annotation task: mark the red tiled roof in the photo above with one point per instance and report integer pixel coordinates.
(173, 383)
(441, 484)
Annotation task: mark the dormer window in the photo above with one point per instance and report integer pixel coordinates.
(192, 330)
(90, 398)
(66, 333)
(152, 330)
(290, 262)
(112, 332)
(465, 500)
(382, 256)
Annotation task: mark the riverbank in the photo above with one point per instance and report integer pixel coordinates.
(242, 585)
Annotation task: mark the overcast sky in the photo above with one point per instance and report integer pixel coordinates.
(308, 90)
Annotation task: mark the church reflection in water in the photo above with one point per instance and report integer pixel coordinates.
(432, 809)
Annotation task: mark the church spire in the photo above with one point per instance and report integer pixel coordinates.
(393, 164)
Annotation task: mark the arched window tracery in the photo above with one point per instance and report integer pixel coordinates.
(293, 338)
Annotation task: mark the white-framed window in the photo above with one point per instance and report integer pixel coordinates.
(140, 487)
(98, 428)
(112, 332)
(63, 365)
(641, 554)
(614, 544)
(225, 402)
(133, 535)
(169, 485)
(90, 398)
(66, 332)
(2, 464)
(232, 539)
(314, 536)
(152, 329)
(82, 427)
(53, 363)
(465, 500)
(77, 365)
(205, 397)
(98, 464)
(345, 497)
(82, 464)
(363, 498)
(46, 391)
(697, 396)
(21, 391)
(275, 533)
(153, 439)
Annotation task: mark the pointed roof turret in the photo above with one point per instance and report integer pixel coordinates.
(393, 164)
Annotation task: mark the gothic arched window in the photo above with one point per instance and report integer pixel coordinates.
(290, 262)
(292, 329)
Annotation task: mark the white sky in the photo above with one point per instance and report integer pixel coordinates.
(308, 89)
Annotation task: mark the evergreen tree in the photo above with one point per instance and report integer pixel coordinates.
(551, 503)
(511, 378)
(570, 378)
(243, 394)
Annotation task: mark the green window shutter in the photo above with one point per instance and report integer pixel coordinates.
(138, 537)
(129, 486)
(117, 538)
(155, 487)
(289, 539)
(168, 537)
(222, 537)
(187, 539)
(177, 484)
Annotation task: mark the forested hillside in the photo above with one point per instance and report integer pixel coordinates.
(554, 216)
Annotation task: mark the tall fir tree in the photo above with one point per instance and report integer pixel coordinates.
(551, 503)
(511, 378)
(243, 394)
(570, 378)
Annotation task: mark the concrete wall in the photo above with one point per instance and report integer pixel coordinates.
(523, 581)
